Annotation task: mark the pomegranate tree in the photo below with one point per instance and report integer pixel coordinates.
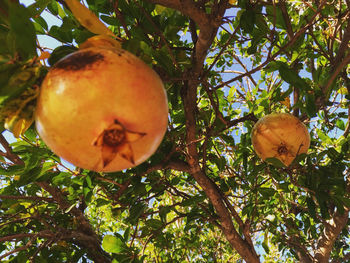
(281, 136)
(102, 109)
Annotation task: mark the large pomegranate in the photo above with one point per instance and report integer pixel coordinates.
(281, 136)
(102, 109)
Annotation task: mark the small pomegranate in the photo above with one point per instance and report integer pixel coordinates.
(102, 109)
(280, 135)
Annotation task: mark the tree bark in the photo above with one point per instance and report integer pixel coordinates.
(246, 251)
(85, 236)
(330, 233)
(208, 25)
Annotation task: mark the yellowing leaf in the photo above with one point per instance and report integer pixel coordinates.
(16, 177)
(159, 9)
(286, 102)
(62, 243)
(18, 125)
(343, 91)
(44, 55)
(88, 19)
(112, 244)
(18, 113)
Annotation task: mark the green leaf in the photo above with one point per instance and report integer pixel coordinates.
(38, 7)
(265, 244)
(275, 162)
(228, 139)
(247, 21)
(322, 199)
(333, 153)
(340, 124)
(311, 207)
(273, 66)
(154, 223)
(22, 31)
(112, 244)
(163, 211)
(267, 192)
(311, 109)
(136, 211)
(345, 200)
(13, 85)
(56, 9)
(41, 21)
(193, 200)
(60, 52)
(61, 35)
(323, 136)
(275, 16)
(126, 234)
(300, 157)
(291, 76)
(110, 20)
(88, 181)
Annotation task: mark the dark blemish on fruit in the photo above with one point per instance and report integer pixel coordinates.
(78, 61)
(114, 137)
(282, 150)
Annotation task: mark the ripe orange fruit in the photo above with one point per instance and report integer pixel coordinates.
(281, 136)
(102, 109)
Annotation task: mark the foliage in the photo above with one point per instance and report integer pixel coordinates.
(204, 196)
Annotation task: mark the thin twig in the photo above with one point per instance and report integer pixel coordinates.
(8, 152)
(34, 198)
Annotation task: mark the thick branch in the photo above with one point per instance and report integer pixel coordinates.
(242, 246)
(208, 25)
(90, 241)
(286, 18)
(34, 198)
(330, 234)
(76, 237)
(344, 45)
(299, 248)
(336, 71)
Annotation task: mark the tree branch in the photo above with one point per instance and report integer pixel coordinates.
(26, 246)
(188, 8)
(243, 247)
(344, 45)
(330, 233)
(85, 235)
(8, 152)
(34, 198)
(295, 242)
(337, 69)
(275, 55)
(44, 234)
(286, 18)
(208, 25)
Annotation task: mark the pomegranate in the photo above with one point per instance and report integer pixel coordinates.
(281, 136)
(102, 109)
